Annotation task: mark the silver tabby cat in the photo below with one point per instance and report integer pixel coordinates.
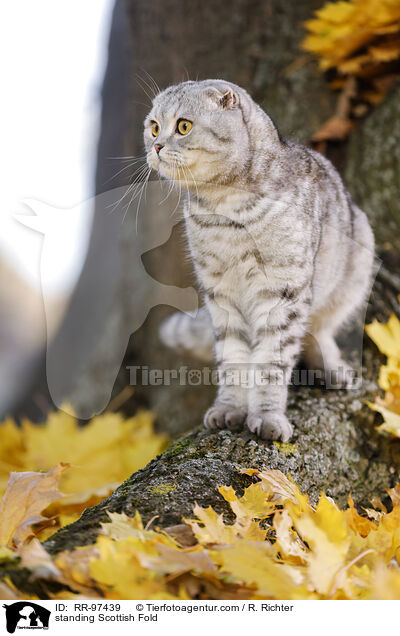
(283, 255)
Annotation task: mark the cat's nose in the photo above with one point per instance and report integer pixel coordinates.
(158, 147)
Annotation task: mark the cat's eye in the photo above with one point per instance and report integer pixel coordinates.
(155, 129)
(184, 126)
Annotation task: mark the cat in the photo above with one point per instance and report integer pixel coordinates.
(283, 255)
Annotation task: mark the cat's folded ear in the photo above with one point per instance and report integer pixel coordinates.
(227, 100)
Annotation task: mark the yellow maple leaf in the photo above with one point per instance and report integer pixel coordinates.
(103, 453)
(288, 543)
(254, 503)
(74, 571)
(391, 424)
(210, 527)
(356, 522)
(386, 336)
(171, 560)
(385, 583)
(280, 486)
(385, 52)
(394, 494)
(9, 593)
(34, 557)
(336, 12)
(253, 563)
(358, 38)
(120, 574)
(387, 339)
(389, 373)
(326, 533)
(26, 496)
(121, 526)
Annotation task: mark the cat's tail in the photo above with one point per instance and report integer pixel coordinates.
(189, 334)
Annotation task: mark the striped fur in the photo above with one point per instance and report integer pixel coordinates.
(283, 255)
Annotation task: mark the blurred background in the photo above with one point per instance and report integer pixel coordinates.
(77, 281)
(53, 60)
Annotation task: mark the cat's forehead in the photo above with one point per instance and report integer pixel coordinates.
(188, 97)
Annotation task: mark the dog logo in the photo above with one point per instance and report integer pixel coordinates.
(26, 615)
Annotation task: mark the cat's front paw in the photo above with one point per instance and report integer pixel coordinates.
(270, 425)
(225, 416)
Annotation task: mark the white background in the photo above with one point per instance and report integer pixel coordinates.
(52, 56)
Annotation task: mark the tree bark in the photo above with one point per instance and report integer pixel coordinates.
(373, 172)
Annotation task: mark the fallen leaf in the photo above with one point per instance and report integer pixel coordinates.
(394, 494)
(386, 336)
(74, 569)
(253, 504)
(102, 455)
(182, 534)
(7, 593)
(26, 496)
(387, 339)
(280, 487)
(209, 527)
(356, 522)
(253, 563)
(35, 558)
(120, 574)
(172, 561)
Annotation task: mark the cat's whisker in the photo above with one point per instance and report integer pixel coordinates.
(194, 181)
(127, 157)
(188, 191)
(143, 83)
(129, 166)
(141, 171)
(168, 190)
(170, 186)
(172, 182)
(153, 82)
(149, 97)
(138, 179)
(136, 182)
(174, 166)
(149, 86)
(144, 186)
(135, 188)
(179, 195)
(134, 101)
